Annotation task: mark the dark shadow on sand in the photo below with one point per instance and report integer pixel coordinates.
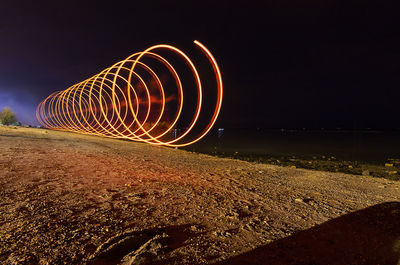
(368, 236)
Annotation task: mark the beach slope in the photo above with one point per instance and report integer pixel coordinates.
(67, 198)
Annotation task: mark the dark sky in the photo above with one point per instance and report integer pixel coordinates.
(285, 63)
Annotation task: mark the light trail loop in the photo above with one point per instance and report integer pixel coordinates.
(121, 102)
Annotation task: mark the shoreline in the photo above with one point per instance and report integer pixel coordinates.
(389, 170)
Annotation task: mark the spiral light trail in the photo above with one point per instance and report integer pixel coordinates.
(129, 100)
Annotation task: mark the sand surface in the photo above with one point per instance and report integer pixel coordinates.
(67, 198)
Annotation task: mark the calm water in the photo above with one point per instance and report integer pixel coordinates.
(367, 146)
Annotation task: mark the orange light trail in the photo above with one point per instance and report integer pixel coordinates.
(119, 103)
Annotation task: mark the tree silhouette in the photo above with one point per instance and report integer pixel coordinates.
(7, 116)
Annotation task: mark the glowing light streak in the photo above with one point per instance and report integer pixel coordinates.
(111, 104)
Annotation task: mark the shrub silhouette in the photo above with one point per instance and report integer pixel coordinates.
(7, 116)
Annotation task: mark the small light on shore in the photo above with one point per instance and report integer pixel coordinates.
(220, 132)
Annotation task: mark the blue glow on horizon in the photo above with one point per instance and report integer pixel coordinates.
(23, 105)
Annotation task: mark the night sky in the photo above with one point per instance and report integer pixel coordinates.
(285, 64)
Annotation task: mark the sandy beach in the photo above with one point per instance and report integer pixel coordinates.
(67, 198)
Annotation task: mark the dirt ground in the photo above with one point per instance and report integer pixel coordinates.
(74, 199)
